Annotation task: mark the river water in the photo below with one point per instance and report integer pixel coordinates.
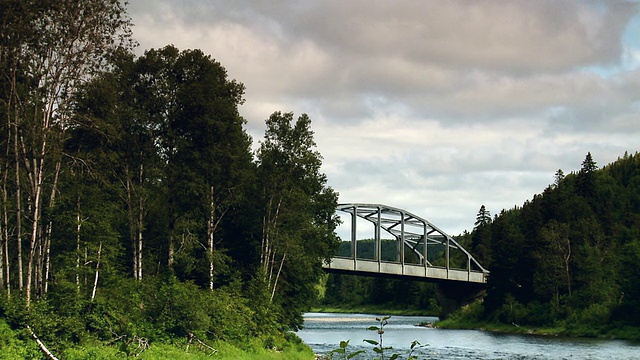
(324, 331)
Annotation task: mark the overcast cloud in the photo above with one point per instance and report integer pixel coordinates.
(436, 107)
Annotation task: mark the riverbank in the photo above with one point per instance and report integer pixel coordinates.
(16, 344)
(157, 351)
(610, 332)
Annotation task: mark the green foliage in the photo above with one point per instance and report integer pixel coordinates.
(132, 201)
(378, 346)
(297, 206)
(569, 257)
(468, 313)
(14, 346)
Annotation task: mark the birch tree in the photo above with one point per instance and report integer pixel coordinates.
(298, 222)
(211, 156)
(171, 124)
(58, 46)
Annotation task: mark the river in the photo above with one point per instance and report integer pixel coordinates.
(324, 331)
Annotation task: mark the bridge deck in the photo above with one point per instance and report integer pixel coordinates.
(349, 265)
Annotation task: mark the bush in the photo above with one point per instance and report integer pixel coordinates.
(511, 312)
(540, 314)
(469, 313)
(231, 318)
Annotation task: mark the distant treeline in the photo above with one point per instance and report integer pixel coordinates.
(366, 249)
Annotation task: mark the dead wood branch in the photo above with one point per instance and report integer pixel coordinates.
(41, 345)
(200, 344)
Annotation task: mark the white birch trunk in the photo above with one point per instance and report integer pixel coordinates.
(18, 208)
(49, 230)
(35, 225)
(275, 283)
(95, 279)
(41, 345)
(78, 228)
(140, 226)
(210, 236)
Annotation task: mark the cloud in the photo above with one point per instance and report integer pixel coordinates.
(433, 106)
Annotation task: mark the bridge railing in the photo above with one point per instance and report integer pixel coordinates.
(402, 243)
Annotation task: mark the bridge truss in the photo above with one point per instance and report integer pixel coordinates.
(418, 248)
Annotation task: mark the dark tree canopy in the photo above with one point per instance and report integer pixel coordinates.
(131, 203)
(570, 253)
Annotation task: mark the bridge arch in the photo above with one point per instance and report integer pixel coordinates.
(423, 251)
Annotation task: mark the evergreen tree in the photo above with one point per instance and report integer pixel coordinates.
(558, 177)
(587, 177)
(481, 237)
(483, 218)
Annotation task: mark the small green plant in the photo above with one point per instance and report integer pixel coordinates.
(341, 353)
(377, 345)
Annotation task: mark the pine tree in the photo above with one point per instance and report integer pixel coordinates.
(587, 177)
(483, 217)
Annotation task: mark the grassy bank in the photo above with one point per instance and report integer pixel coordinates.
(16, 344)
(225, 351)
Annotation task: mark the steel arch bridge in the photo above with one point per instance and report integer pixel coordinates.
(414, 248)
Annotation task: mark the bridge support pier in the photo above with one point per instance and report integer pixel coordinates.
(452, 296)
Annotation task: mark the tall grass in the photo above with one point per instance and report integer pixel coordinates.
(14, 345)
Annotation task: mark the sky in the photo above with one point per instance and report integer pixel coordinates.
(435, 107)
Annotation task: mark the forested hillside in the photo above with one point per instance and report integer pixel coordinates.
(569, 260)
(570, 257)
(132, 208)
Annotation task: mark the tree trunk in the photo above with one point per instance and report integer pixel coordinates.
(95, 279)
(210, 236)
(5, 231)
(18, 206)
(78, 228)
(567, 256)
(2, 244)
(171, 252)
(132, 237)
(35, 225)
(140, 229)
(140, 226)
(41, 345)
(275, 283)
(49, 230)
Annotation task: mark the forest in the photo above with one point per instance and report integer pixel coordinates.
(133, 210)
(569, 257)
(567, 261)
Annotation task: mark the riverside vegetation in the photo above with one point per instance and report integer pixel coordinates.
(134, 217)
